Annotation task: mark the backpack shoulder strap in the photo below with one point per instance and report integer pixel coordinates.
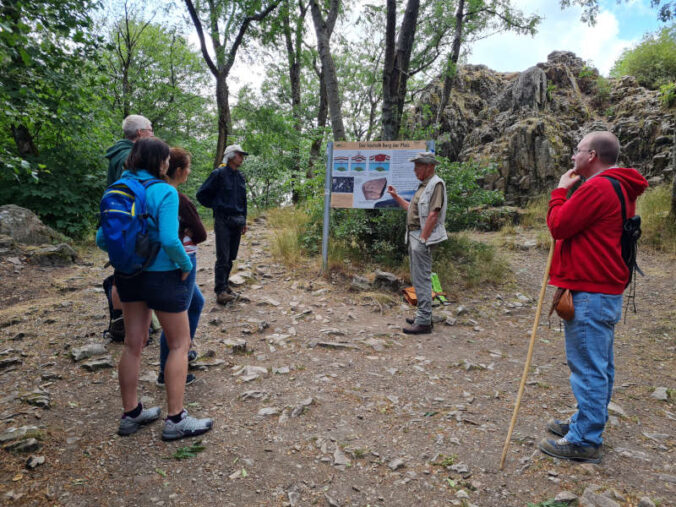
(149, 182)
(620, 195)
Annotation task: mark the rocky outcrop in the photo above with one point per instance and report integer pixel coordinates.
(528, 123)
(24, 226)
(22, 233)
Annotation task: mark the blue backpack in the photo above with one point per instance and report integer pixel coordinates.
(124, 223)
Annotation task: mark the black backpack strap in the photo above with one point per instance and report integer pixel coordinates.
(620, 195)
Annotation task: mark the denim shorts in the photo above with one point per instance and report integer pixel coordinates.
(160, 290)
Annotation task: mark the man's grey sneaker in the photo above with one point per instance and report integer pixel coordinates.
(563, 449)
(559, 428)
(129, 425)
(188, 427)
(189, 379)
(192, 355)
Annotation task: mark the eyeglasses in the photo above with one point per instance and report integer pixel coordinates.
(149, 129)
(578, 150)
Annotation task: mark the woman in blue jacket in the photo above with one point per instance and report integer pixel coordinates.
(161, 287)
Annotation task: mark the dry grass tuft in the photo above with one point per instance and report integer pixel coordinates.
(658, 226)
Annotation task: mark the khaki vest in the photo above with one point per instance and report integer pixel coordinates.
(439, 232)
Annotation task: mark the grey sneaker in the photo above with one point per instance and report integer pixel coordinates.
(188, 427)
(129, 425)
(563, 449)
(559, 428)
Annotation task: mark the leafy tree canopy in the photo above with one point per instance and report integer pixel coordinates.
(652, 62)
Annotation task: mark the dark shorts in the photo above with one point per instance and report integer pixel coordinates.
(160, 290)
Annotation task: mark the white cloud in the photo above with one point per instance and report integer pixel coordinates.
(560, 30)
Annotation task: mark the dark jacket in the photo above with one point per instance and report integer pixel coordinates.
(117, 156)
(224, 191)
(189, 219)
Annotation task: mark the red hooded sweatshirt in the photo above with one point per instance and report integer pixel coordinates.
(588, 227)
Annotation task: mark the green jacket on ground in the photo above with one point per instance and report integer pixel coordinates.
(117, 156)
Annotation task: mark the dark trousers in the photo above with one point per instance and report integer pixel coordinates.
(227, 245)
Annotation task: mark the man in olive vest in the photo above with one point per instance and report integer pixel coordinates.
(426, 215)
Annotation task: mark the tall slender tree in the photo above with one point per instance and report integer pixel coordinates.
(228, 22)
(324, 29)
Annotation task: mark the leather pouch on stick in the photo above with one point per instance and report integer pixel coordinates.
(562, 303)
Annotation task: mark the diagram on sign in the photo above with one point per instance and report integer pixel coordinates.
(358, 163)
(362, 172)
(341, 163)
(379, 162)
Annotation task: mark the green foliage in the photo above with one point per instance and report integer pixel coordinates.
(587, 72)
(657, 224)
(668, 94)
(548, 503)
(551, 88)
(269, 135)
(63, 106)
(377, 235)
(189, 451)
(601, 92)
(652, 62)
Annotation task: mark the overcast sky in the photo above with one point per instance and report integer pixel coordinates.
(619, 26)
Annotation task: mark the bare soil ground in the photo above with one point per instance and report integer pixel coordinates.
(393, 419)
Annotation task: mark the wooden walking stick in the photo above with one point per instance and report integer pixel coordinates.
(529, 356)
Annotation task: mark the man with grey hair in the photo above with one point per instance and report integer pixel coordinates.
(224, 191)
(134, 127)
(426, 215)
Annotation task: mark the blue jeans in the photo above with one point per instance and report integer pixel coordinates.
(195, 306)
(589, 352)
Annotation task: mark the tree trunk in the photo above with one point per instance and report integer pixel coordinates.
(223, 118)
(329, 69)
(452, 63)
(673, 181)
(396, 65)
(322, 115)
(24, 141)
(293, 56)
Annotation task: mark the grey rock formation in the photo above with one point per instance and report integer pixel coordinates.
(528, 123)
(25, 227)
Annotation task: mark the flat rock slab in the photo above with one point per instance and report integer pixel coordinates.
(36, 398)
(9, 361)
(13, 434)
(98, 364)
(22, 446)
(336, 345)
(87, 351)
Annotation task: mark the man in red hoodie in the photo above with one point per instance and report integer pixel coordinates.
(588, 261)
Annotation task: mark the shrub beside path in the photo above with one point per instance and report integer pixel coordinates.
(318, 398)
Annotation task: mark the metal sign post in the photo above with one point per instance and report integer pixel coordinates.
(327, 207)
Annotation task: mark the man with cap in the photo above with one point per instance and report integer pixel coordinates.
(426, 215)
(224, 191)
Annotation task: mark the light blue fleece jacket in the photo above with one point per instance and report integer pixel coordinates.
(162, 206)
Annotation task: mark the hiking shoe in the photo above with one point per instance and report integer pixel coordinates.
(563, 449)
(189, 379)
(188, 427)
(192, 355)
(557, 427)
(412, 321)
(129, 425)
(116, 329)
(223, 298)
(418, 329)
